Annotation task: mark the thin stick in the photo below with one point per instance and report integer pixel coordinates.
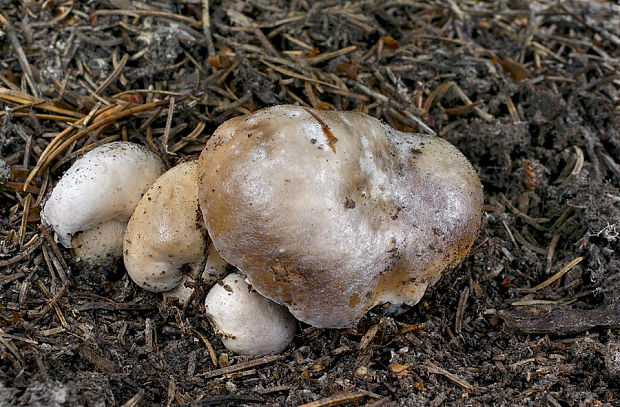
(24, 98)
(341, 398)
(206, 27)
(241, 366)
(168, 125)
(37, 170)
(114, 75)
(22, 255)
(432, 368)
(21, 55)
(150, 13)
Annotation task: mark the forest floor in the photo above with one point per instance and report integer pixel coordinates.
(527, 90)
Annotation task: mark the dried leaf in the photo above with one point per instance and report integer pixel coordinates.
(516, 70)
(419, 386)
(313, 53)
(400, 370)
(344, 69)
(389, 43)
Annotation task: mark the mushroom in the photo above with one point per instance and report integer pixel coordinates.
(165, 239)
(248, 323)
(332, 213)
(91, 204)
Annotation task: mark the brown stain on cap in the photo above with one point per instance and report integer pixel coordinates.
(327, 131)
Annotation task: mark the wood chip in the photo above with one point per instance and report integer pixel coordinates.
(560, 320)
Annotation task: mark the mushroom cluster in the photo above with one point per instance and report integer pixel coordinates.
(323, 214)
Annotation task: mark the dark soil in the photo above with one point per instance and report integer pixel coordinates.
(529, 91)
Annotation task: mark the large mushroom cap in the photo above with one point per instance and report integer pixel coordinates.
(331, 213)
(100, 192)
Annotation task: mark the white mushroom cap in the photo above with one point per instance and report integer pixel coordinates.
(332, 213)
(215, 269)
(105, 185)
(165, 237)
(248, 323)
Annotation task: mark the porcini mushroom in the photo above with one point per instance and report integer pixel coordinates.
(332, 213)
(248, 323)
(91, 204)
(165, 238)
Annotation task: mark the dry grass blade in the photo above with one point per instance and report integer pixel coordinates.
(10, 278)
(454, 111)
(8, 345)
(329, 55)
(370, 335)
(484, 115)
(62, 270)
(460, 310)
(168, 125)
(44, 116)
(556, 276)
(192, 136)
(37, 170)
(203, 339)
(534, 222)
(52, 303)
(135, 400)
(103, 120)
(117, 71)
(21, 235)
(25, 99)
(436, 95)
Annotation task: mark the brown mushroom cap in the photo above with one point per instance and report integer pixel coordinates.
(331, 213)
(165, 237)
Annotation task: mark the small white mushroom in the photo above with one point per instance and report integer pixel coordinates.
(166, 239)
(91, 204)
(248, 323)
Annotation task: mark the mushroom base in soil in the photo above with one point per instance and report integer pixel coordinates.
(332, 213)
